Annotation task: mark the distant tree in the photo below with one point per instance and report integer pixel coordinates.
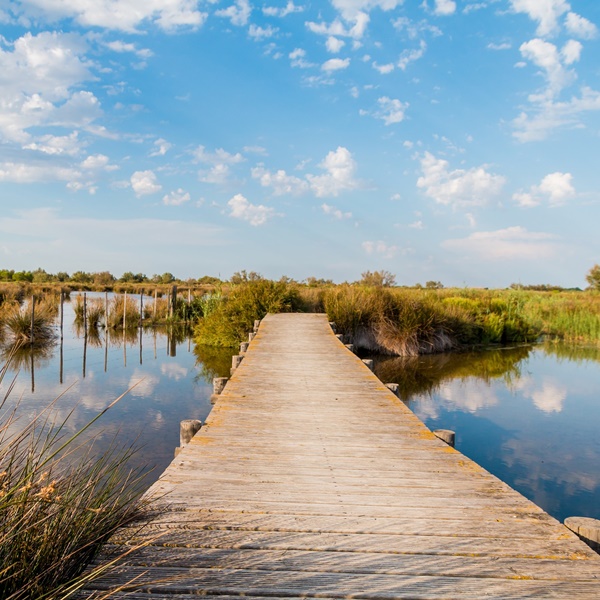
(244, 277)
(103, 278)
(167, 278)
(434, 285)
(378, 278)
(22, 276)
(6, 274)
(593, 277)
(208, 280)
(62, 276)
(81, 277)
(40, 276)
(314, 282)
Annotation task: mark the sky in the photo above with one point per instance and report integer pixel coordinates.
(440, 140)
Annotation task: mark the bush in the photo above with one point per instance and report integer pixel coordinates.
(231, 317)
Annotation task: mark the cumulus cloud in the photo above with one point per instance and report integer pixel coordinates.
(580, 27)
(123, 15)
(144, 183)
(335, 64)
(36, 173)
(334, 45)
(380, 248)
(459, 187)
(57, 145)
(356, 20)
(121, 47)
(298, 60)
(237, 13)
(98, 162)
(161, 147)
(288, 9)
(280, 181)
(219, 163)
(255, 214)
(336, 213)
(176, 197)
(546, 12)
(390, 110)
(512, 243)
(340, 168)
(444, 7)
(555, 189)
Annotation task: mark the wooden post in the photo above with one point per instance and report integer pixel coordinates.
(173, 301)
(244, 347)
(368, 362)
(394, 388)
(587, 529)
(154, 307)
(235, 362)
(62, 315)
(84, 314)
(106, 310)
(124, 311)
(446, 435)
(31, 334)
(256, 325)
(332, 325)
(350, 347)
(340, 337)
(187, 430)
(141, 307)
(251, 336)
(219, 384)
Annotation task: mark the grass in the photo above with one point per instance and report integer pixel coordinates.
(119, 305)
(18, 326)
(59, 502)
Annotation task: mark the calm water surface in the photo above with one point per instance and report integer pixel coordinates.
(530, 415)
(172, 379)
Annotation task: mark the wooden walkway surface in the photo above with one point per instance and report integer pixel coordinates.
(311, 479)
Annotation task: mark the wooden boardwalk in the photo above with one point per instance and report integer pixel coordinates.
(311, 479)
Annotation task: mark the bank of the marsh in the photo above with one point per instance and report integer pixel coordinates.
(406, 321)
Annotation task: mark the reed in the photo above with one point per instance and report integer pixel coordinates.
(57, 506)
(20, 329)
(118, 306)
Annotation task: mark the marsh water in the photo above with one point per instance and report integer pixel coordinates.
(528, 414)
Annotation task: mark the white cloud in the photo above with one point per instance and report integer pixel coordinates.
(219, 161)
(161, 147)
(176, 198)
(262, 33)
(336, 213)
(390, 110)
(358, 24)
(349, 9)
(57, 145)
(545, 12)
(144, 183)
(297, 59)
(502, 46)
(97, 162)
(475, 187)
(340, 168)
(121, 47)
(335, 64)
(381, 248)
(238, 13)
(384, 69)
(444, 7)
(512, 243)
(334, 45)
(123, 15)
(555, 189)
(36, 173)
(280, 181)
(580, 27)
(546, 55)
(409, 56)
(548, 115)
(288, 9)
(244, 210)
(217, 174)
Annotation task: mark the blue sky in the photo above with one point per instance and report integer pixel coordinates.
(447, 140)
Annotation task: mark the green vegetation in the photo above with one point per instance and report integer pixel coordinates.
(59, 502)
(228, 318)
(593, 278)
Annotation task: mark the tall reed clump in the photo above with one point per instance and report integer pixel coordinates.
(120, 305)
(571, 317)
(232, 316)
(21, 329)
(157, 310)
(95, 312)
(57, 510)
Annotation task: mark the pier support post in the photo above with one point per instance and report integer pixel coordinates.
(586, 529)
(340, 337)
(188, 428)
(394, 388)
(368, 362)
(244, 347)
(350, 347)
(218, 386)
(332, 325)
(251, 336)
(235, 362)
(446, 435)
(256, 325)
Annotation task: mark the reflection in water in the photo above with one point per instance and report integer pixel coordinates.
(530, 415)
(213, 362)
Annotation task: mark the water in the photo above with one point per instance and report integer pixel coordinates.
(529, 415)
(168, 378)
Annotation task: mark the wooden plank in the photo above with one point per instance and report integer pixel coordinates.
(311, 479)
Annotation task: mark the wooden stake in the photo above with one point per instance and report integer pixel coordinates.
(32, 336)
(124, 311)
